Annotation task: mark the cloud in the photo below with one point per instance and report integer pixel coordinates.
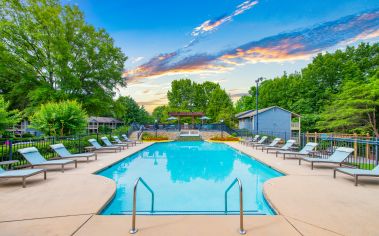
(137, 59)
(278, 48)
(213, 24)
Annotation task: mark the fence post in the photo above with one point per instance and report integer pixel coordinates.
(376, 151)
(10, 149)
(368, 146)
(355, 145)
(316, 139)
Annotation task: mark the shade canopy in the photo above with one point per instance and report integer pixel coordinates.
(205, 118)
(172, 118)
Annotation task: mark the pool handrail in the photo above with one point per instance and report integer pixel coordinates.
(236, 180)
(134, 230)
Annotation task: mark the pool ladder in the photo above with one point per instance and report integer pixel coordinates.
(134, 230)
(236, 180)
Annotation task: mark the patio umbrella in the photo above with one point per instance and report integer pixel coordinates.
(204, 118)
(172, 118)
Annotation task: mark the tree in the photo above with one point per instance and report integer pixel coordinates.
(356, 108)
(220, 107)
(51, 54)
(7, 118)
(182, 94)
(308, 93)
(63, 118)
(127, 110)
(160, 114)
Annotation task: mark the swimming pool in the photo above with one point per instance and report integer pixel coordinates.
(189, 178)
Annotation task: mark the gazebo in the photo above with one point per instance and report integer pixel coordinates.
(186, 114)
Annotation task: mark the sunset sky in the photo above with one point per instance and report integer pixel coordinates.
(230, 42)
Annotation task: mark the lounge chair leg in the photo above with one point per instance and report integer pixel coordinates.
(62, 168)
(44, 175)
(23, 182)
(95, 156)
(76, 164)
(87, 159)
(299, 162)
(356, 180)
(334, 173)
(312, 165)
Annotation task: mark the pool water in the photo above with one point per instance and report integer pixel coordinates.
(189, 178)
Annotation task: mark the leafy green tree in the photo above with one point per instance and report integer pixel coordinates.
(182, 94)
(7, 117)
(50, 53)
(127, 110)
(60, 118)
(220, 107)
(308, 93)
(356, 108)
(160, 114)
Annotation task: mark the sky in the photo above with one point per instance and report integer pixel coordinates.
(230, 42)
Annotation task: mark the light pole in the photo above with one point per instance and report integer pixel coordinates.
(222, 130)
(260, 79)
(156, 128)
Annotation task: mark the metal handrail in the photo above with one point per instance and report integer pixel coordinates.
(134, 230)
(236, 180)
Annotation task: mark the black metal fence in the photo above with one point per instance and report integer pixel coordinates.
(74, 143)
(365, 155)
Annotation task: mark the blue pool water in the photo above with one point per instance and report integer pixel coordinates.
(189, 178)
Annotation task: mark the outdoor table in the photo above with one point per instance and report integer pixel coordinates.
(8, 164)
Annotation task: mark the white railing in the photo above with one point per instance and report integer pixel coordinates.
(295, 126)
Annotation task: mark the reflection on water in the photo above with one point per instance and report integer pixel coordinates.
(188, 176)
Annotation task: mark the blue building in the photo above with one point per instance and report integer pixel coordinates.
(274, 121)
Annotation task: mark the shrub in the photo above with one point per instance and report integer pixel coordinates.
(63, 118)
(149, 137)
(218, 138)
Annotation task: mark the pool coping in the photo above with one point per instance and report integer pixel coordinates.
(265, 198)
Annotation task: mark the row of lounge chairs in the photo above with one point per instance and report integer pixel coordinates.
(337, 157)
(35, 159)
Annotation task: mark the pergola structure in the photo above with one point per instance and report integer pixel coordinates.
(186, 114)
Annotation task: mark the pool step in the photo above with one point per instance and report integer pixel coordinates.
(247, 212)
(191, 138)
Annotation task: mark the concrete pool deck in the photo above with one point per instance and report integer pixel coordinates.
(308, 202)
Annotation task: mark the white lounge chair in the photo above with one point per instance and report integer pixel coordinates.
(23, 174)
(35, 158)
(339, 155)
(118, 141)
(261, 141)
(63, 153)
(287, 146)
(357, 172)
(98, 147)
(250, 139)
(272, 144)
(308, 148)
(129, 140)
(109, 144)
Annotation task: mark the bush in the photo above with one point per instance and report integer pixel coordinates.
(63, 118)
(218, 138)
(149, 137)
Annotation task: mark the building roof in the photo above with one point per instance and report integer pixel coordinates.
(100, 119)
(251, 113)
